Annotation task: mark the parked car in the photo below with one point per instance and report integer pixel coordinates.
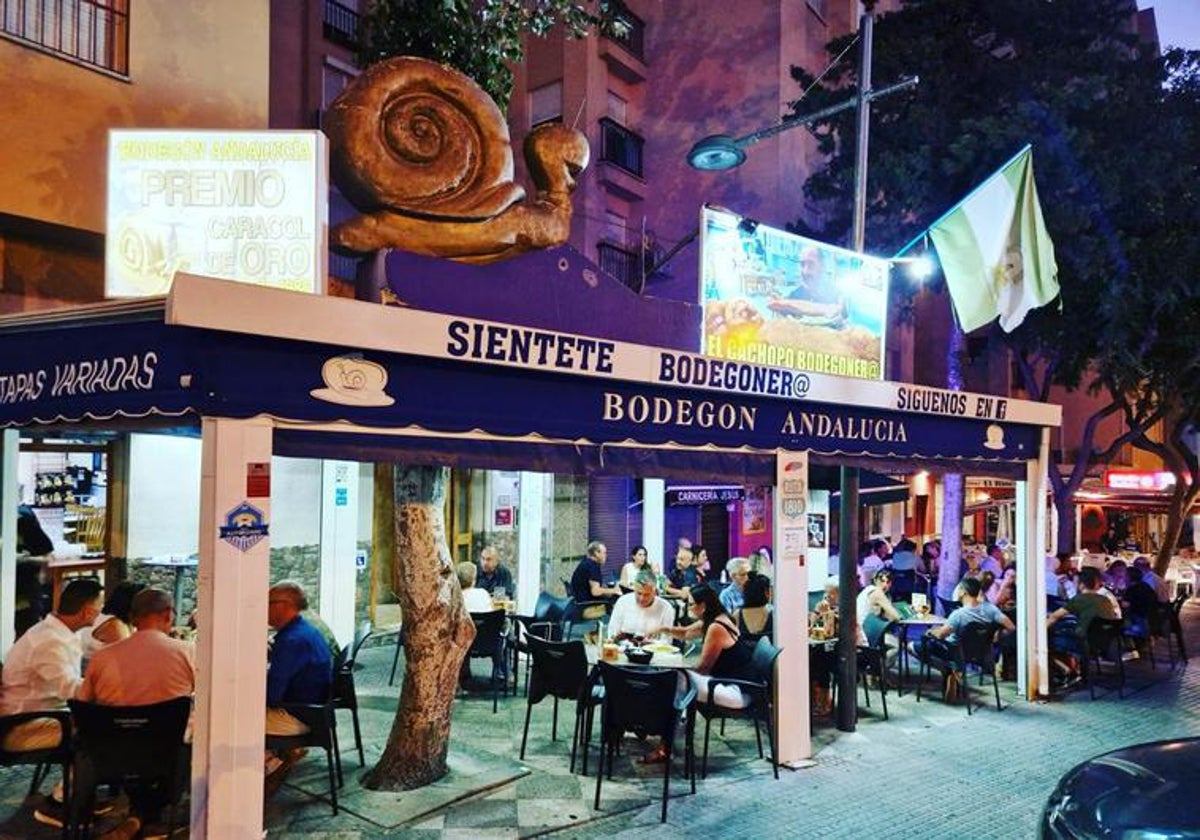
(1137, 793)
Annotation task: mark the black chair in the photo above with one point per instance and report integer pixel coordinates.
(973, 648)
(976, 649)
(322, 733)
(490, 643)
(560, 670)
(127, 745)
(525, 626)
(345, 695)
(582, 617)
(396, 655)
(642, 699)
(1103, 637)
(758, 694)
(1176, 628)
(40, 760)
(904, 583)
(872, 661)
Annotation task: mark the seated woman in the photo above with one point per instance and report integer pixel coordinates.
(828, 605)
(476, 600)
(638, 560)
(113, 624)
(721, 654)
(755, 617)
(875, 612)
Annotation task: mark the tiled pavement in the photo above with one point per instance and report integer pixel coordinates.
(928, 772)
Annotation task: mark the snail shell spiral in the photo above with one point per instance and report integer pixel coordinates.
(421, 139)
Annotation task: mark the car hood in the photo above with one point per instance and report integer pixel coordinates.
(1144, 791)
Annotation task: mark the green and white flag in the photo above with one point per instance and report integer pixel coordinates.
(995, 252)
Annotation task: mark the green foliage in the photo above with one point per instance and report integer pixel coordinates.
(481, 38)
(1115, 131)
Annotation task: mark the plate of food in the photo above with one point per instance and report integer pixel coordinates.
(661, 647)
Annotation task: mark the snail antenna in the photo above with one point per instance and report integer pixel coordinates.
(579, 113)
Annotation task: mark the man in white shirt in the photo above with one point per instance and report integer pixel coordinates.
(42, 672)
(641, 611)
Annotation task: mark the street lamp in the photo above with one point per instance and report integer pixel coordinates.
(718, 152)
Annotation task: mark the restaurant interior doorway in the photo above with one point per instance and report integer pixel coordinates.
(714, 536)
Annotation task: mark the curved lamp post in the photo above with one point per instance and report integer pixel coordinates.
(720, 151)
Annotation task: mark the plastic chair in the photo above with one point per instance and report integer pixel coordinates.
(1176, 626)
(976, 647)
(490, 643)
(40, 760)
(582, 617)
(345, 695)
(396, 655)
(758, 693)
(1103, 636)
(322, 733)
(560, 670)
(127, 745)
(872, 661)
(972, 648)
(642, 699)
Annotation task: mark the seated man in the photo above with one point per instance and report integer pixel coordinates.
(733, 596)
(587, 581)
(685, 573)
(1086, 606)
(145, 668)
(493, 574)
(42, 672)
(638, 613)
(299, 669)
(475, 599)
(976, 609)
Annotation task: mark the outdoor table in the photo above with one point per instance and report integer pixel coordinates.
(660, 660)
(924, 622)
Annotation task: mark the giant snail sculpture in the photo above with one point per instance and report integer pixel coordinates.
(425, 156)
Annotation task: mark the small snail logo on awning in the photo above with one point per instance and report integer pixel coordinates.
(353, 381)
(244, 527)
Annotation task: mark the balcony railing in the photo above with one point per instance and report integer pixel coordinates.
(620, 146)
(91, 32)
(341, 24)
(628, 29)
(624, 265)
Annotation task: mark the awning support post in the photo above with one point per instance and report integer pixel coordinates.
(10, 445)
(792, 695)
(231, 651)
(847, 645)
(338, 575)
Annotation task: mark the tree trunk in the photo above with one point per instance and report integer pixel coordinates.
(950, 561)
(1064, 503)
(437, 634)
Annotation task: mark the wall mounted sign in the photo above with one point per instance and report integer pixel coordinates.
(775, 298)
(250, 206)
(244, 527)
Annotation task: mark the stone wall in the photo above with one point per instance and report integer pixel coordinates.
(300, 563)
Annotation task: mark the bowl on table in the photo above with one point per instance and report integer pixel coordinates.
(639, 656)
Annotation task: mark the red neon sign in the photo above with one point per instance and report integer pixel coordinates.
(1138, 480)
